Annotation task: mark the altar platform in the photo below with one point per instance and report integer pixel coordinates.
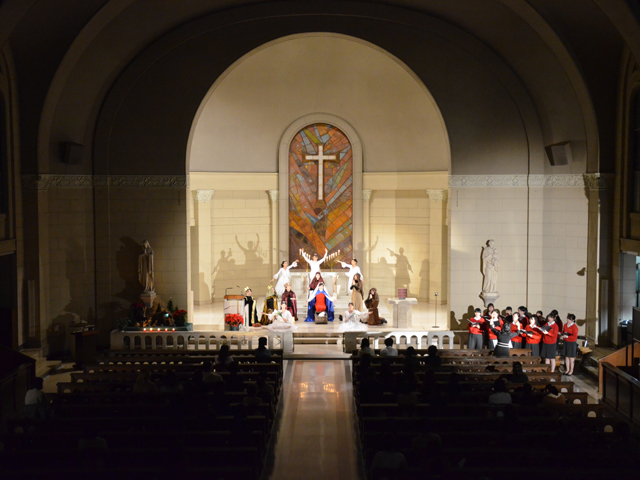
(313, 341)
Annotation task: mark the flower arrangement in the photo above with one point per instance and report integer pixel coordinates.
(233, 320)
(179, 318)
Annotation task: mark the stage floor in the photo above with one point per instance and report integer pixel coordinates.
(211, 317)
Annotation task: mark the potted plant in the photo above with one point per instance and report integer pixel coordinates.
(233, 321)
(180, 318)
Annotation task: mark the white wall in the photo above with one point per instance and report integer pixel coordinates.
(541, 236)
(241, 122)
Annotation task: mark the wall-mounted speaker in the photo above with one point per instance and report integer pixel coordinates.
(72, 153)
(559, 153)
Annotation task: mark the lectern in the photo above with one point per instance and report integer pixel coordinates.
(85, 347)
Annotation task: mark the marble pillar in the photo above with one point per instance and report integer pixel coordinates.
(366, 221)
(437, 244)
(202, 287)
(275, 261)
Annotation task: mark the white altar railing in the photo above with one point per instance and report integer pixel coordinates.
(198, 340)
(401, 338)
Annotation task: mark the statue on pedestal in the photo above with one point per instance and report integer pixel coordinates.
(490, 262)
(145, 267)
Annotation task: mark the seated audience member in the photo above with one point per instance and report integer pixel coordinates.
(233, 381)
(517, 375)
(365, 348)
(406, 398)
(430, 391)
(388, 351)
(500, 396)
(426, 444)
(35, 402)
(370, 389)
(262, 353)
(265, 389)
(170, 384)
(527, 396)
(411, 358)
(224, 359)
(453, 388)
(252, 399)
(432, 360)
(553, 397)
(209, 374)
(144, 384)
(388, 463)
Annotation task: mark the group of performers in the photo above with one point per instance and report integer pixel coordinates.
(280, 310)
(520, 329)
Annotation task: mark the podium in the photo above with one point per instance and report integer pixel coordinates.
(85, 347)
(234, 304)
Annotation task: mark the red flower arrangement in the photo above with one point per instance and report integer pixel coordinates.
(180, 318)
(233, 320)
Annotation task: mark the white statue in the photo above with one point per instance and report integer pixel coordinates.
(145, 268)
(490, 262)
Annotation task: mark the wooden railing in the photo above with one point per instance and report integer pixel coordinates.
(198, 340)
(621, 392)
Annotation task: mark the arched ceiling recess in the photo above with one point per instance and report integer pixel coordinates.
(245, 112)
(509, 28)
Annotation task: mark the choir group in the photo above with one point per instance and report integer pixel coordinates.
(521, 329)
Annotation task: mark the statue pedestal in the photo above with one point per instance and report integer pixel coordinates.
(148, 298)
(489, 297)
(402, 311)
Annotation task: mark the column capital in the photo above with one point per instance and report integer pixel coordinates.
(274, 195)
(202, 195)
(437, 195)
(366, 195)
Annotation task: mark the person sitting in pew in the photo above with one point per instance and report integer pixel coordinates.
(430, 391)
(262, 354)
(223, 359)
(233, 381)
(453, 389)
(517, 375)
(411, 358)
(365, 348)
(388, 351)
(432, 360)
(35, 402)
(265, 390)
(388, 463)
(527, 396)
(553, 397)
(426, 444)
(500, 396)
(252, 400)
(144, 384)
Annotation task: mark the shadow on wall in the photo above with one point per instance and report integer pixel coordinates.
(79, 273)
(403, 267)
(127, 265)
(58, 334)
(423, 292)
(227, 272)
(456, 323)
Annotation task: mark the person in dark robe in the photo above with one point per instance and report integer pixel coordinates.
(371, 303)
(270, 304)
(289, 298)
(321, 302)
(357, 292)
(504, 336)
(250, 312)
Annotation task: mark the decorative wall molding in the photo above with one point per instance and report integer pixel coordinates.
(202, 195)
(366, 195)
(437, 195)
(273, 195)
(46, 181)
(588, 180)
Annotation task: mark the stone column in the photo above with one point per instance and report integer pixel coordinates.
(275, 261)
(600, 327)
(202, 263)
(437, 244)
(366, 221)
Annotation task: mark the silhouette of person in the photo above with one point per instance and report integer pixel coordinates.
(251, 254)
(403, 279)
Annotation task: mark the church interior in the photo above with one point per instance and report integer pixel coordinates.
(161, 160)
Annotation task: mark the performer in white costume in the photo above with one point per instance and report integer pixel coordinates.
(353, 269)
(314, 264)
(281, 320)
(283, 276)
(353, 320)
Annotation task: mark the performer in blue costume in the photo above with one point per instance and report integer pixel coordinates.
(321, 302)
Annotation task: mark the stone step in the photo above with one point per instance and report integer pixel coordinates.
(316, 341)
